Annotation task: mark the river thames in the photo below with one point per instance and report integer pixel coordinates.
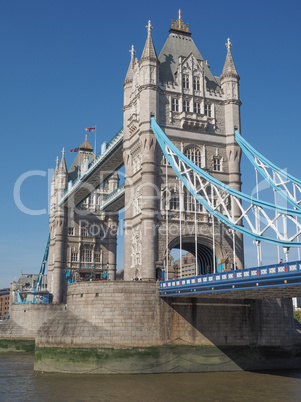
(18, 382)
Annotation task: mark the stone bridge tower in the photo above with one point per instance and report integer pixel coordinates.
(83, 239)
(198, 111)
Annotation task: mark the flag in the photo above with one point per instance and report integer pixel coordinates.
(90, 129)
(74, 150)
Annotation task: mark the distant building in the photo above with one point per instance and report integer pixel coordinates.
(188, 266)
(4, 302)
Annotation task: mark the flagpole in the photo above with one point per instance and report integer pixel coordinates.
(95, 142)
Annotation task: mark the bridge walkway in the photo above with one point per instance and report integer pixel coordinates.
(100, 169)
(271, 281)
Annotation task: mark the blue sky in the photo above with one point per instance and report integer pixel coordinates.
(62, 68)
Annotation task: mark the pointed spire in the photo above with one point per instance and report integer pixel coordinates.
(149, 52)
(130, 72)
(63, 167)
(55, 170)
(56, 165)
(229, 66)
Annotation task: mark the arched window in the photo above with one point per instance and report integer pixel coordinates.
(194, 154)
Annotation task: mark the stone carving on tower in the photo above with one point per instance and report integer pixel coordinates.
(198, 111)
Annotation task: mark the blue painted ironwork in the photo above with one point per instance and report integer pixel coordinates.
(38, 283)
(266, 277)
(263, 165)
(38, 296)
(189, 174)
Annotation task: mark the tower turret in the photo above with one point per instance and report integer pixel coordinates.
(62, 175)
(230, 85)
(57, 230)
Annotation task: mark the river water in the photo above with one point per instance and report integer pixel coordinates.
(19, 383)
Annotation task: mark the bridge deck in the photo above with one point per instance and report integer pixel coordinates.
(272, 281)
(114, 201)
(98, 171)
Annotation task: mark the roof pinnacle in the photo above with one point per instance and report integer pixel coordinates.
(132, 51)
(228, 44)
(149, 27)
(229, 66)
(63, 167)
(149, 52)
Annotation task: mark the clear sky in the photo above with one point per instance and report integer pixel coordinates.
(63, 63)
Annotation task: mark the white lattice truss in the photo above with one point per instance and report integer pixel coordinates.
(282, 182)
(263, 221)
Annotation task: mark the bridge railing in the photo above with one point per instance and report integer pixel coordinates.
(251, 274)
(112, 197)
(110, 145)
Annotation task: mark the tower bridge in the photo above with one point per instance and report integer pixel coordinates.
(181, 149)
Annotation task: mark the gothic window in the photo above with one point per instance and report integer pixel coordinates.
(197, 108)
(97, 257)
(190, 203)
(74, 256)
(186, 106)
(216, 163)
(194, 154)
(175, 105)
(84, 232)
(174, 200)
(71, 231)
(207, 110)
(86, 254)
(185, 81)
(196, 83)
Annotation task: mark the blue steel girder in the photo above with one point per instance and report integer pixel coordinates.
(263, 221)
(279, 280)
(99, 170)
(43, 267)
